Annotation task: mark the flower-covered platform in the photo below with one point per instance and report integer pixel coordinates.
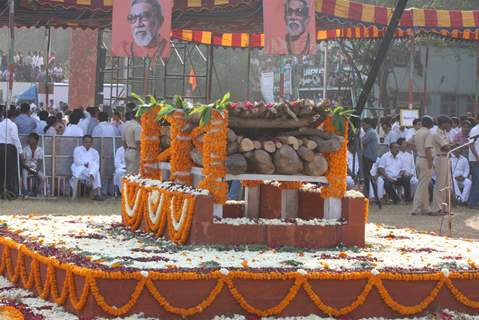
(19, 304)
(184, 215)
(94, 266)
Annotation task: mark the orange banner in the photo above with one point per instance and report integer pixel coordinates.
(141, 28)
(289, 27)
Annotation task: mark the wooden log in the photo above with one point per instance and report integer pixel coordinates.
(286, 161)
(196, 157)
(248, 155)
(239, 138)
(165, 142)
(290, 140)
(257, 145)
(236, 164)
(269, 146)
(331, 145)
(317, 167)
(278, 144)
(261, 162)
(232, 136)
(309, 132)
(310, 144)
(246, 145)
(239, 122)
(306, 154)
(233, 147)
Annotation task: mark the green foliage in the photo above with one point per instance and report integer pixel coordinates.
(167, 108)
(340, 115)
(205, 110)
(144, 104)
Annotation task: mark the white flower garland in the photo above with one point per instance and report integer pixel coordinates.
(178, 225)
(129, 210)
(153, 199)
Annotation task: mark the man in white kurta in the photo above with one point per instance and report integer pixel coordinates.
(409, 164)
(120, 167)
(379, 182)
(460, 177)
(86, 167)
(353, 169)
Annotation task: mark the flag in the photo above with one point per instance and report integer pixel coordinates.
(192, 79)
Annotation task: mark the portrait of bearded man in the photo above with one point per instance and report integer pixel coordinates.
(140, 28)
(296, 16)
(295, 33)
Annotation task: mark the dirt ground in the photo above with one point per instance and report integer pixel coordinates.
(465, 222)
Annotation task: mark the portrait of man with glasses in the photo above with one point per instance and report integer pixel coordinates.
(295, 33)
(297, 17)
(140, 28)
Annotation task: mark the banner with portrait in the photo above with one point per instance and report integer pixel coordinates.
(141, 28)
(289, 27)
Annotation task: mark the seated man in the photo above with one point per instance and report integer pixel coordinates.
(86, 168)
(460, 171)
(120, 167)
(409, 163)
(353, 169)
(378, 180)
(392, 170)
(32, 165)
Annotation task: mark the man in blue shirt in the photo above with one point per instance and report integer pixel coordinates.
(24, 122)
(370, 143)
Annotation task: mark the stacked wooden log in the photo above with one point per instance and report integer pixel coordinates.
(272, 139)
(295, 114)
(292, 153)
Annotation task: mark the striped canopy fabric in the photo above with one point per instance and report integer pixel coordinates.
(238, 23)
(179, 4)
(412, 18)
(342, 9)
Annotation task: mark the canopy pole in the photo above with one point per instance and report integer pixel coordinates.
(11, 62)
(325, 73)
(426, 98)
(210, 74)
(381, 55)
(412, 50)
(248, 76)
(47, 66)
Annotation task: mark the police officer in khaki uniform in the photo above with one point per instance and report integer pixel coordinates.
(441, 145)
(422, 140)
(131, 142)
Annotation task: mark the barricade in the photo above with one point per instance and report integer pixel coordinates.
(58, 157)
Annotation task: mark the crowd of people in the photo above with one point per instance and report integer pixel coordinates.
(87, 124)
(416, 169)
(31, 67)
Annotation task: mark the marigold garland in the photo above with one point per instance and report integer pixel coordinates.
(251, 183)
(48, 288)
(337, 165)
(289, 185)
(181, 163)
(150, 143)
(366, 210)
(10, 313)
(170, 208)
(214, 157)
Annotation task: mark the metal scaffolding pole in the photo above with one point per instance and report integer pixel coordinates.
(381, 55)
